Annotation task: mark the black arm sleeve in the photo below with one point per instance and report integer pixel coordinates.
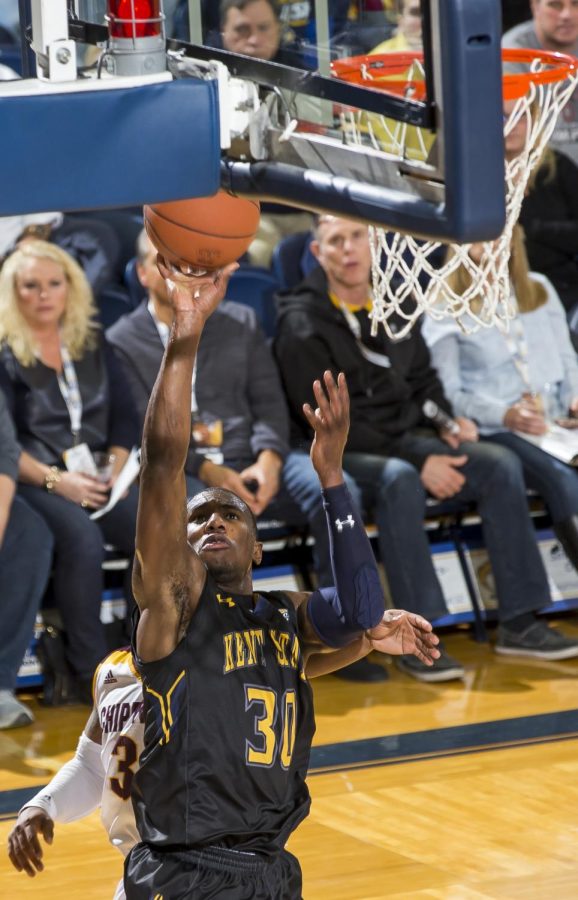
(341, 614)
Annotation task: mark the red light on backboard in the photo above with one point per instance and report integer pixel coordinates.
(134, 18)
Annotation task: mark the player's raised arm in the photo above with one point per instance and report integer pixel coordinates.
(168, 576)
(353, 612)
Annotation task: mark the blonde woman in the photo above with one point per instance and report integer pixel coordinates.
(68, 400)
(512, 382)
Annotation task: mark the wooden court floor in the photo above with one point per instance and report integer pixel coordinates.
(467, 791)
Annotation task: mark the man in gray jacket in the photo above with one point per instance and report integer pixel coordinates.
(25, 557)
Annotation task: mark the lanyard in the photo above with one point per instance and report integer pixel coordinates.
(68, 384)
(164, 332)
(378, 359)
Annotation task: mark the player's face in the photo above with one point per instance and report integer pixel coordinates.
(42, 291)
(221, 532)
(556, 23)
(342, 248)
(253, 31)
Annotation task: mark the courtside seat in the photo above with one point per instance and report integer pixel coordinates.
(287, 545)
(135, 289)
(113, 613)
(447, 518)
(292, 259)
(113, 302)
(255, 287)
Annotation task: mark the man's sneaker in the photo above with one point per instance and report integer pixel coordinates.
(540, 641)
(13, 714)
(362, 670)
(444, 669)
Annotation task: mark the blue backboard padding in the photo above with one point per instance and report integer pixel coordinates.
(106, 148)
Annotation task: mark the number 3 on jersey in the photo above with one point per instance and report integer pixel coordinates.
(264, 751)
(126, 752)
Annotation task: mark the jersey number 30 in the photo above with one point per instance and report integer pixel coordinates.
(265, 703)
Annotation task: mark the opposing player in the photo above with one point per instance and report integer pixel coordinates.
(100, 774)
(228, 707)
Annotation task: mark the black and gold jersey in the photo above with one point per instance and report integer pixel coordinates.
(228, 729)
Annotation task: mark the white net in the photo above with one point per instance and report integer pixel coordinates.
(410, 276)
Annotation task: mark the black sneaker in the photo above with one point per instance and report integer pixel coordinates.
(540, 641)
(444, 669)
(362, 670)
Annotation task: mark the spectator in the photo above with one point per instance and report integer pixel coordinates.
(244, 444)
(25, 556)
(553, 26)
(68, 400)
(504, 380)
(297, 22)
(549, 212)
(408, 33)
(550, 219)
(91, 242)
(390, 135)
(396, 456)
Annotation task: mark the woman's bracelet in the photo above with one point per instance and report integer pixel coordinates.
(51, 479)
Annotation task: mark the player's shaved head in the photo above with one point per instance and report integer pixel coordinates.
(223, 498)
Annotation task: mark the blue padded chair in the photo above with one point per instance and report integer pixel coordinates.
(136, 291)
(255, 286)
(112, 302)
(292, 259)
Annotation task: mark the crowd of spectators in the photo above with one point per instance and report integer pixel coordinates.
(69, 391)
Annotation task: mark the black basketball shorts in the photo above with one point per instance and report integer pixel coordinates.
(210, 872)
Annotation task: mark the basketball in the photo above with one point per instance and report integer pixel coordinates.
(205, 233)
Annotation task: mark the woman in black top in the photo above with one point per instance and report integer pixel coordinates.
(550, 219)
(66, 394)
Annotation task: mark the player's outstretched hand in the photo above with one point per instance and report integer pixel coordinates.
(401, 632)
(24, 847)
(330, 423)
(196, 294)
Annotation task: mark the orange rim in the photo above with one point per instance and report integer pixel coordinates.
(388, 71)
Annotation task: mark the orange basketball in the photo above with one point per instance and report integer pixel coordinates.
(205, 233)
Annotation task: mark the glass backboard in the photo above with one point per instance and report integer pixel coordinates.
(409, 134)
(389, 111)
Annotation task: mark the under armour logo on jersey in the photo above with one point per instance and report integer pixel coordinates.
(348, 521)
(228, 600)
(110, 679)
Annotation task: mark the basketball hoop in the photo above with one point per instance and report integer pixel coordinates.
(405, 280)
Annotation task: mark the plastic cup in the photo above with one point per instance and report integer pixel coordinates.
(104, 461)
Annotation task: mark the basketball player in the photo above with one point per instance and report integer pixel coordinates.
(100, 774)
(228, 707)
(106, 759)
